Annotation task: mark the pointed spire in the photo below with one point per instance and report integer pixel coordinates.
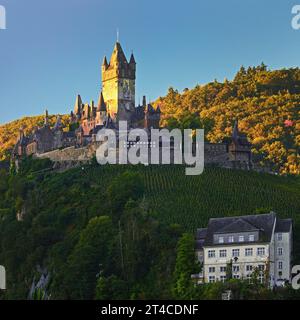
(104, 63)
(101, 104)
(58, 123)
(78, 104)
(118, 56)
(46, 120)
(158, 109)
(235, 131)
(132, 60)
(144, 101)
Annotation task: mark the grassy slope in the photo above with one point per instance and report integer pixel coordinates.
(192, 200)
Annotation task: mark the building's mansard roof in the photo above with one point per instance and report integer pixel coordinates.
(284, 225)
(263, 224)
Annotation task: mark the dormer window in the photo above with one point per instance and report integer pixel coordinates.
(221, 239)
(230, 239)
(241, 238)
(251, 237)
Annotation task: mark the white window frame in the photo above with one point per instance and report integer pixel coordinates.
(280, 251)
(212, 279)
(236, 268)
(261, 267)
(223, 269)
(261, 251)
(211, 253)
(247, 252)
(280, 265)
(223, 253)
(251, 238)
(237, 251)
(241, 238)
(211, 269)
(223, 278)
(279, 236)
(231, 239)
(221, 239)
(249, 267)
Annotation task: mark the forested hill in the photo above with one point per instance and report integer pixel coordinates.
(118, 232)
(9, 132)
(267, 104)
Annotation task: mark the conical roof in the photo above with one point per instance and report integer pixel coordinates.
(118, 55)
(101, 104)
(132, 60)
(78, 104)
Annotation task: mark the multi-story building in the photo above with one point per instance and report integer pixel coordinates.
(237, 246)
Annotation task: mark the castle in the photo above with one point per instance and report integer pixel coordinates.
(116, 103)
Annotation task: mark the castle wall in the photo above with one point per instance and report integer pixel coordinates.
(216, 153)
(70, 154)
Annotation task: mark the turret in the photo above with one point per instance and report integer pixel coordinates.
(46, 119)
(101, 114)
(144, 102)
(132, 62)
(104, 64)
(235, 131)
(78, 106)
(58, 124)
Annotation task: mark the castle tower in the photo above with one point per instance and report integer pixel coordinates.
(240, 148)
(118, 85)
(78, 107)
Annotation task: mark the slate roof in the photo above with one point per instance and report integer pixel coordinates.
(264, 223)
(283, 225)
(201, 235)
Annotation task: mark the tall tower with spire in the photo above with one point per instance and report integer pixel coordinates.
(118, 84)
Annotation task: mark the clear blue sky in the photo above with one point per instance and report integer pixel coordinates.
(53, 49)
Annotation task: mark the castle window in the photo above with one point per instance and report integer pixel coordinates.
(279, 236)
(280, 251)
(251, 237)
(241, 238)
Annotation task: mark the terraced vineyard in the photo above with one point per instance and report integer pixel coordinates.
(191, 200)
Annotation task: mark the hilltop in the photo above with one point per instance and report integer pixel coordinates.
(267, 104)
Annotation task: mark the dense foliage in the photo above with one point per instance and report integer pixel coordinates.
(267, 104)
(9, 132)
(118, 231)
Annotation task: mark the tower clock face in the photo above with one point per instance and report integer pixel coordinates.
(126, 89)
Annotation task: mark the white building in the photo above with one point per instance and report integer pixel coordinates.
(245, 244)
